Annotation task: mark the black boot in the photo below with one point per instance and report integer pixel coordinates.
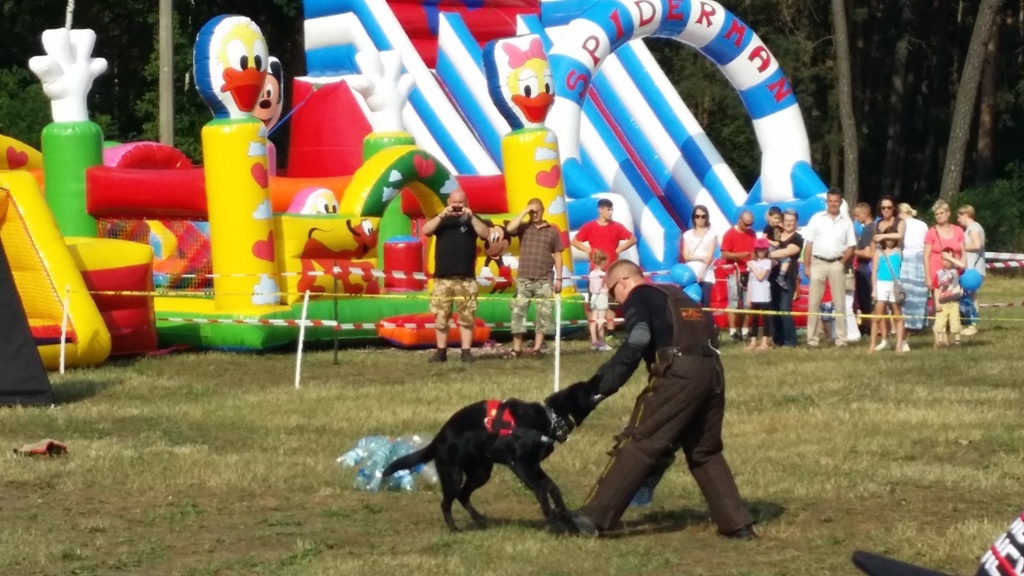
(467, 356)
(439, 355)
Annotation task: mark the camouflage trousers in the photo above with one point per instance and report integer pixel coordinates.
(461, 292)
(526, 289)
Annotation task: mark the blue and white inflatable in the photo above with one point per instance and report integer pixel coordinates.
(787, 178)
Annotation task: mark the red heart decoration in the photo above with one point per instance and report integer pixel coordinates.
(264, 249)
(259, 174)
(549, 178)
(16, 159)
(424, 166)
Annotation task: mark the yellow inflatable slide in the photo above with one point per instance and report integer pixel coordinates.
(44, 272)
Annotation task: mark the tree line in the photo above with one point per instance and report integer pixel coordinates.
(885, 86)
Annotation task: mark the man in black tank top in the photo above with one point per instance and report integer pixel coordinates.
(681, 407)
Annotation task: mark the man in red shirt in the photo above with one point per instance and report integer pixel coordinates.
(604, 234)
(737, 248)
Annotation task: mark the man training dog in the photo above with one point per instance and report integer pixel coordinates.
(516, 433)
(682, 407)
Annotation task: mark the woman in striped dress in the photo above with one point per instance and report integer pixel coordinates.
(912, 271)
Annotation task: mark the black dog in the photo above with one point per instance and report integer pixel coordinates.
(512, 432)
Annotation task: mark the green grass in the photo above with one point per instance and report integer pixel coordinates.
(213, 464)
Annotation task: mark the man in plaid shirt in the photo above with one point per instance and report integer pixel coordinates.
(539, 276)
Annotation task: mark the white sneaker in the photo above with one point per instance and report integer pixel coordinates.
(906, 347)
(969, 331)
(882, 346)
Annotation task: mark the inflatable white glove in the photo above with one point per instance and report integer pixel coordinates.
(67, 71)
(384, 87)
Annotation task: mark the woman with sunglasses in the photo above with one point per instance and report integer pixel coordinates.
(698, 251)
(888, 219)
(889, 226)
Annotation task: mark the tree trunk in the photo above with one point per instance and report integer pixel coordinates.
(851, 151)
(898, 94)
(984, 162)
(959, 132)
(936, 100)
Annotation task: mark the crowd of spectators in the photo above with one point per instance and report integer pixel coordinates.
(888, 273)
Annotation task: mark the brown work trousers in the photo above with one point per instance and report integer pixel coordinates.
(681, 407)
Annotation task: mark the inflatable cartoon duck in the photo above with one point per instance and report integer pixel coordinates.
(530, 82)
(519, 79)
(231, 62)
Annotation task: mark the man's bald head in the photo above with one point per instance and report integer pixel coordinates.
(622, 277)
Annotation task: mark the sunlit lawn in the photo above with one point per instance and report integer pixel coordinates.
(215, 464)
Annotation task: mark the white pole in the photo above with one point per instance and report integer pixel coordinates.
(65, 313)
(302, 335)
(70, 13)
(558, 338)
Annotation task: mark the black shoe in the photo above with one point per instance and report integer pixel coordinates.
(736, 337)
(585, 525)
(439, 355)
(745, 533)
(467, 356)
(782, 282)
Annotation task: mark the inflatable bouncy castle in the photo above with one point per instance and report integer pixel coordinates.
(404, 102)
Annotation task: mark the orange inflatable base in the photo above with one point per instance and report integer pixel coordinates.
(417, 331)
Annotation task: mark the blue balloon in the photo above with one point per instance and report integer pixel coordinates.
(683, 275)
(694, 292)
(971, 280)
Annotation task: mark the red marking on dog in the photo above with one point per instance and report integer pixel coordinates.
(549, 178)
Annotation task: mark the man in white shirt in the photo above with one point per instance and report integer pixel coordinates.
(829, 242)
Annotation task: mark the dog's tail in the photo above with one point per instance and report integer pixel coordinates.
(410, 461)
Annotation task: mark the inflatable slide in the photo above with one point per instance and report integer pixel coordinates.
(622, 126)
(45, 274)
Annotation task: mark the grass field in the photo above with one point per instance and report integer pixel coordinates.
(214, 464)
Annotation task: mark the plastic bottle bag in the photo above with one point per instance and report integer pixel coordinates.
(403, 479)
(359, 451)
(427, 472)
(370, 475)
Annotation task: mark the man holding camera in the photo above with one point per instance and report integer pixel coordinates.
(456, 229)
(539, 276)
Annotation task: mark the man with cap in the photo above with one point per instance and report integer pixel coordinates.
(682, 406)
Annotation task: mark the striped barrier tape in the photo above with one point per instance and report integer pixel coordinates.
(339, 325)
(1010, 264)
(1003, 256)
(375, 272)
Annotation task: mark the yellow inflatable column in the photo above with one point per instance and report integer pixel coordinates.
(532, 170)
(241, 218)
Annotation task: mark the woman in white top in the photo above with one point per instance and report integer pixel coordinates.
(699, 251)
(912, 272)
